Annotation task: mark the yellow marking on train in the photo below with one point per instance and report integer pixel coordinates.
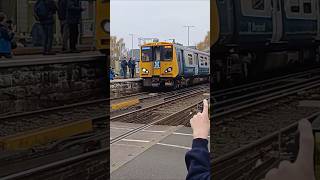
(44, 135)
(125, 104)
(215, 23)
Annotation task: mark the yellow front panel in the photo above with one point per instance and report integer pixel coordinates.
(102, 17)
(148, 66)
(215, 24)
(163, 64)
(174, 64)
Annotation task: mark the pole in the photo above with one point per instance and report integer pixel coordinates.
(188, 26)
(131, 44)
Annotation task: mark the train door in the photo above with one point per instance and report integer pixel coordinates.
(318, 19)
(196, 57)
(180, 60)
(276, 20)
(156, 63)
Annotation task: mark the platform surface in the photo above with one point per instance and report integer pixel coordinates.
(126, 80)
(162, 158)
(22, 60)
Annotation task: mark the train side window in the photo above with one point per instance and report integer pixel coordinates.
(294, 6)
(190, 59)
(258, 4)
(307, 7)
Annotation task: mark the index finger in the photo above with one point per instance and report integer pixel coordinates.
(306, 146)
(205, 107)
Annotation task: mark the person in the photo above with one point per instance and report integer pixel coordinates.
(198, 158)
(73, 20)
(37, 34)
(6, 36)
(302, 168)
(44, 11)
(64, 29)
(132, 66)
(111, 74)
(9, 24)
(124, 65)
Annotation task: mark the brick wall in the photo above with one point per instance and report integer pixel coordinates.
(125, 88)
(32, 87)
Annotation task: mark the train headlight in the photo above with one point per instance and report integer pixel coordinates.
(105, 26)
(168, 70)
(145, 70)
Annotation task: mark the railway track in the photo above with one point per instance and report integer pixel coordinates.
(149, 98)
(254, 160)
(61, 168)
(166, 112)
(22, 122)
(12, 162)
(241, 121)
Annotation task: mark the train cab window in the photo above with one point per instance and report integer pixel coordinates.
(166, 53)
(258, 4)
(307, 7)
(147, 53)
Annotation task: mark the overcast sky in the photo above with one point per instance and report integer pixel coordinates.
(163, 19)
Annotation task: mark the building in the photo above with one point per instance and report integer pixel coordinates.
(21, 12)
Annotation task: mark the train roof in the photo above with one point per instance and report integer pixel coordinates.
(177, 45)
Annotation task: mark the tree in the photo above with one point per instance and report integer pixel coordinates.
(205, 44)
(117, 51)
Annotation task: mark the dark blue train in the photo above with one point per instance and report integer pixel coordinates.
(252, 36)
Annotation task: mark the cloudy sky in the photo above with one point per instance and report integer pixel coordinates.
(163, 19)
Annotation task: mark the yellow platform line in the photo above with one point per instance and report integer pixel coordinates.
(30, 139)
(125, 104)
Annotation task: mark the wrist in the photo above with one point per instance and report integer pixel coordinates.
(200, 136)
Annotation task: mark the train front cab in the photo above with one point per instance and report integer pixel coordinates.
(102, 29)
(158, 64)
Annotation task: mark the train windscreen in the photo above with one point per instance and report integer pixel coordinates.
(147, 53)
(166, 53)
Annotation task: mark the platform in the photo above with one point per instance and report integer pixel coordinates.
(125, 80)
(121, 87)
(24, 60)
(39, 50)
(157, 153)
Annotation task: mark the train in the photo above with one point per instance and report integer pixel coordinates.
(249, 37)
(172, 65)
(102, 26)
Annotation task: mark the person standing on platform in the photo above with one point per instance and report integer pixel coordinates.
(44, 11)
(73, 20)
(124, 65)
(64, 29)
(132, 66)
(111, 73)
(6, 37)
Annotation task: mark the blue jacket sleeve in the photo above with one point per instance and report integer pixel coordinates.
(198, 160)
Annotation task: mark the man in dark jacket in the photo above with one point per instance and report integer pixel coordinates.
(198, 158)
(132, 66)
(44, 11)
(73, 19)
(124, 65)
(64, 29)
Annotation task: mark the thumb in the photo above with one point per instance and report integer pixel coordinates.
(306, 146)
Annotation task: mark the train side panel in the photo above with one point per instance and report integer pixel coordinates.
(300, 22)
